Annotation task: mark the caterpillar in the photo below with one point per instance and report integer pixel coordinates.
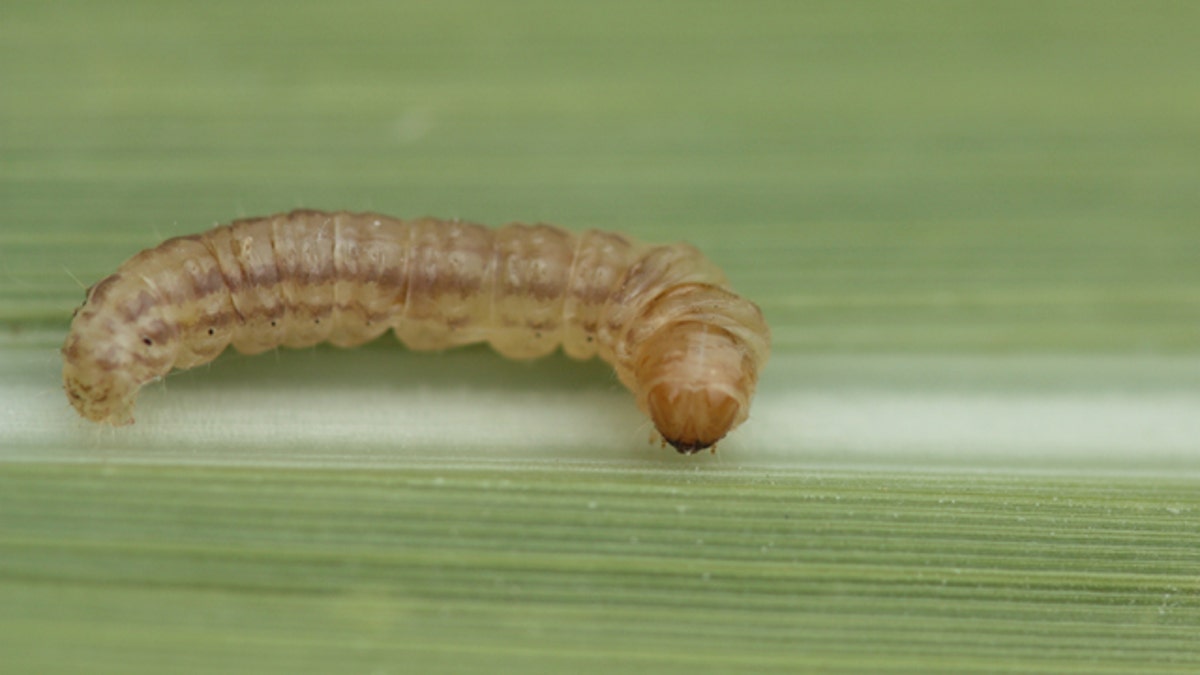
(664, 317)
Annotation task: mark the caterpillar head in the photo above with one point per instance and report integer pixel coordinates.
(697, 382)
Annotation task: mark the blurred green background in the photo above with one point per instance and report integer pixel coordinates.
(931, 175)
(920, 180)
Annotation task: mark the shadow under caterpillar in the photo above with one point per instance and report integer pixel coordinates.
(688, 348)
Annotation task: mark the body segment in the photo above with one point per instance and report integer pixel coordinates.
(687, 347)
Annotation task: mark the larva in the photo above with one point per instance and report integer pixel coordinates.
(688, 348)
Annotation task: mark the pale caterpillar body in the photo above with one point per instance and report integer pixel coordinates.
(688, 348)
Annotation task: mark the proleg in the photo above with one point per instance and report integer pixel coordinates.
(680, 339)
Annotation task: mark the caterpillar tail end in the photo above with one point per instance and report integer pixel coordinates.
(97, 401)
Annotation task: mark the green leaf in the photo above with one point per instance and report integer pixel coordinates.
(972, 227)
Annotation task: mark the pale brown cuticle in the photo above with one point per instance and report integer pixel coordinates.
(688, 348)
